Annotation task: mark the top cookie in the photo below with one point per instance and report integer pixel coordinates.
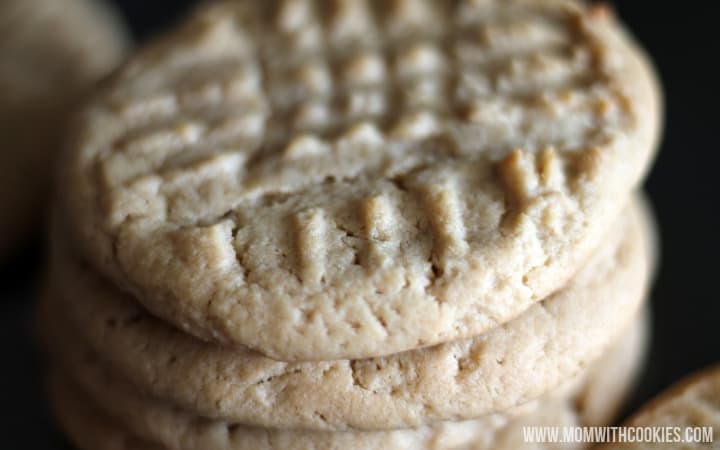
(51, 52)
(344, 179)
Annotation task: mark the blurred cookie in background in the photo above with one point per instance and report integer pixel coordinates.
(51, 53)
(688, 413)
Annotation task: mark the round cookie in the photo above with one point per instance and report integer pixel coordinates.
(51, 52)
(693, 402)
(323, 180)
(158, 422)
(154, 422)
(552, 341)
(90, 428)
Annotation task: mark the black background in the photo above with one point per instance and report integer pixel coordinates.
(682, 38)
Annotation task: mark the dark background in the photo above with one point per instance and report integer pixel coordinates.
(682, 38)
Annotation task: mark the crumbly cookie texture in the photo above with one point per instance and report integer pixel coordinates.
(334, 179)
(693, 402)
(516, 362)
(52, 52)
(590, 399)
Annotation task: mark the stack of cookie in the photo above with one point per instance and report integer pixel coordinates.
(352, 225)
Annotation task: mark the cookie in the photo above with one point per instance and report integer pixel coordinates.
(51, 52)
(155, 421)
(92, 429)
(693, 402)
(552, 341)
(321, 180)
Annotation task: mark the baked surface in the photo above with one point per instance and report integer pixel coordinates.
(552, 341)
(591, 399)
(324, 180)
(92, 429)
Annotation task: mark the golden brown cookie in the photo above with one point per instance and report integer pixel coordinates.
(320, 180)
(601, 389)
(521, 360)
